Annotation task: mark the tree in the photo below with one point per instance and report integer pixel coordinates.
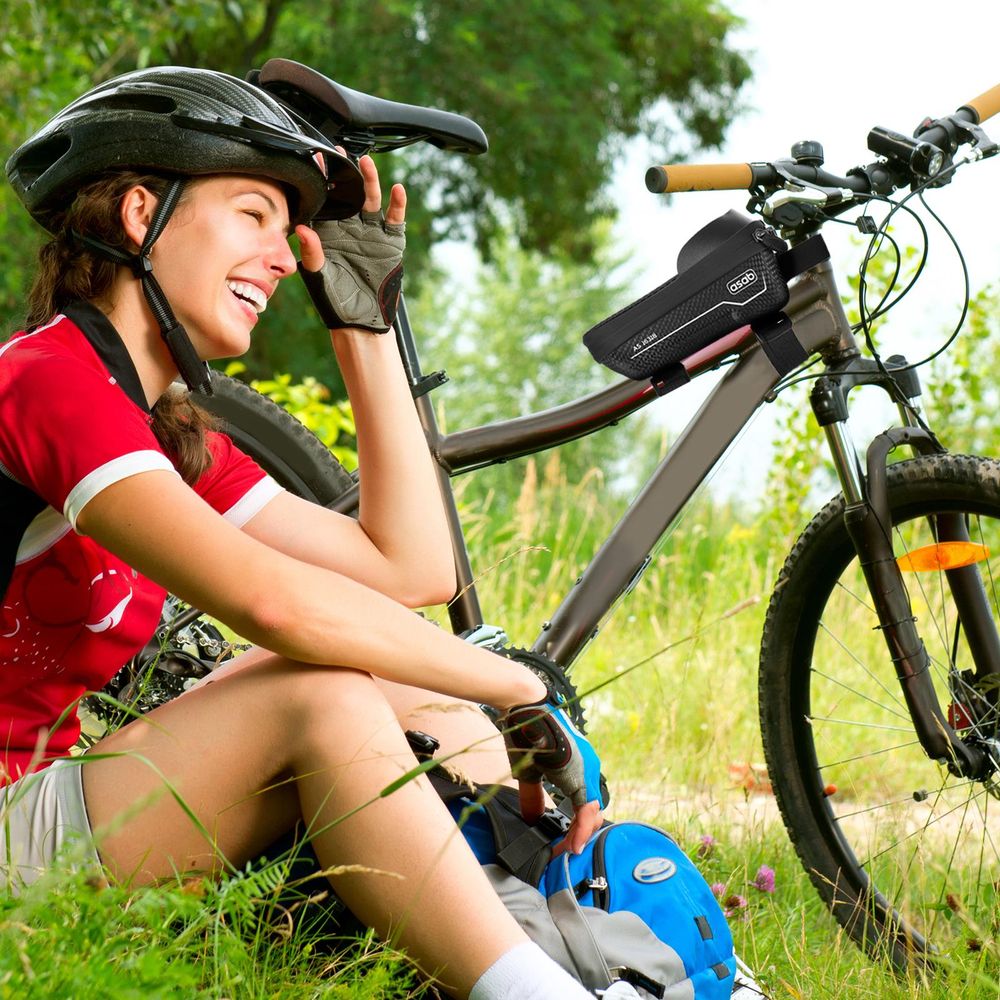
(558, 88)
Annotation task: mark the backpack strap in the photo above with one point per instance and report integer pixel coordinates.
(526, 849)
(522, 849)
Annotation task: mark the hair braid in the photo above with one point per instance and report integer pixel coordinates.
(69, 271)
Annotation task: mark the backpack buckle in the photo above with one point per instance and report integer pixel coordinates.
(553, 823)
(635, 978)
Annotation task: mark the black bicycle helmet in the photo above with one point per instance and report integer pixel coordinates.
(185, 121)
(182, 122)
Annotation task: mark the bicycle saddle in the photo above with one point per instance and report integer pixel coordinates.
(338, 111)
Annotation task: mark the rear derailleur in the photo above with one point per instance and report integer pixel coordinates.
(184, 648)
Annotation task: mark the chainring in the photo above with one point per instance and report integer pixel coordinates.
(554, 676)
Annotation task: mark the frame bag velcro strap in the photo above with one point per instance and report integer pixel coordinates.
(734, 272)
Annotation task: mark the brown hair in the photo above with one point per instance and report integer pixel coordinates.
(69, 271)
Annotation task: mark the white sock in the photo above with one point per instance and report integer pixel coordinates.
(527, 973)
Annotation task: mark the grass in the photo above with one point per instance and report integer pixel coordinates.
(674, 715)
(72, 936)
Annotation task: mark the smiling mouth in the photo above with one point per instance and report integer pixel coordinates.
(249, 294)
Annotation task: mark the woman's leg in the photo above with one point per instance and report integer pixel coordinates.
(470, 743)
(276, 740)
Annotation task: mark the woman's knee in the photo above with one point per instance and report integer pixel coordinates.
(309, 702)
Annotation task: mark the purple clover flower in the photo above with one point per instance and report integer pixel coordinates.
(706, 845)
(765, 879)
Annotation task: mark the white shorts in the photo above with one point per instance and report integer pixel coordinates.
(43, 815)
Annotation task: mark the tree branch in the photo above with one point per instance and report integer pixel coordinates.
(272, 12)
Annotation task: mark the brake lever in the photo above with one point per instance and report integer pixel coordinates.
(960, 132)
(981, 142)
(810, 195)
(800, 200)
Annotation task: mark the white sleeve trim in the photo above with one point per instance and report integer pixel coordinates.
(253, 501)
(112, 472)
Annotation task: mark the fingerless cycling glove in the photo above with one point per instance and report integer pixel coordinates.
(359, 284)
(543, 742)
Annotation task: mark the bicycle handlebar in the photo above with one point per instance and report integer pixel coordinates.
(678, 177)
(701, 177)
(986, 105)
(878, 177)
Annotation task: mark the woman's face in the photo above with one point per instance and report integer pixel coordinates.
(220, 258)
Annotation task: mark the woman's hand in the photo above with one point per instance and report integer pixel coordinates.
(353, 268)
(543, 742)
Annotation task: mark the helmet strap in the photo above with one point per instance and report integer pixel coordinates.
(195, 372)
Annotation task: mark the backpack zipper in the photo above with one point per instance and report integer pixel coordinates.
(602, 891)
(596, 884)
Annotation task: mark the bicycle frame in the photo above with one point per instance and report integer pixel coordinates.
(822, 328)
(820, 325)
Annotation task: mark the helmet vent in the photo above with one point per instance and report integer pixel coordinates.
(37, 159)
(154, 104)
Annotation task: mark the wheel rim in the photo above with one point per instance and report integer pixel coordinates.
(907, 835)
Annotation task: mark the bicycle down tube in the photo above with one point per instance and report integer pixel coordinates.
(819, 320)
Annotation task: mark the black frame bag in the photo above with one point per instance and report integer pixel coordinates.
(731, 273)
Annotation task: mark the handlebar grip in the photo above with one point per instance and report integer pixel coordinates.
(985, 105)
(699, 177)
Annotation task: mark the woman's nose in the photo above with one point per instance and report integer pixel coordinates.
(280, 260)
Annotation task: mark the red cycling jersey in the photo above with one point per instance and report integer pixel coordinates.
(74, 420)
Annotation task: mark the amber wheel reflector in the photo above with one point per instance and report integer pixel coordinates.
(943, 555)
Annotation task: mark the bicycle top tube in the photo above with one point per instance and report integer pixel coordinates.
(796, 195)
(473, 448)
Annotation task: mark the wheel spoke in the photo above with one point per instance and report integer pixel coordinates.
(932, 820)
(862, 601)
(861, 725)
(868, 810)
(868, 754)
(893, 695)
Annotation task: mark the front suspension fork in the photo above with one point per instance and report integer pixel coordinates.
(869, 523)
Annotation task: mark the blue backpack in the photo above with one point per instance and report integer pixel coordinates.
(632, 906)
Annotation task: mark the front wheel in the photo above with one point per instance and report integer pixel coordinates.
(906, 855)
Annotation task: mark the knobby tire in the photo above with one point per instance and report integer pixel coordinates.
(283, 447)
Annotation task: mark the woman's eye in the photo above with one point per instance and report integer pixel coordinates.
(259, 216)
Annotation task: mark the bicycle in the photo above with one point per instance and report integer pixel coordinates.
(921, 591)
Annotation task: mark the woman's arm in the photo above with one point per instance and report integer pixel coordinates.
(400, 544)
(163, 529)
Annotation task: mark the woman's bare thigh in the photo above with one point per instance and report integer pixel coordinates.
(217, 753)
(468, 739)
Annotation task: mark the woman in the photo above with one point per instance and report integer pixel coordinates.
(170, 194)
